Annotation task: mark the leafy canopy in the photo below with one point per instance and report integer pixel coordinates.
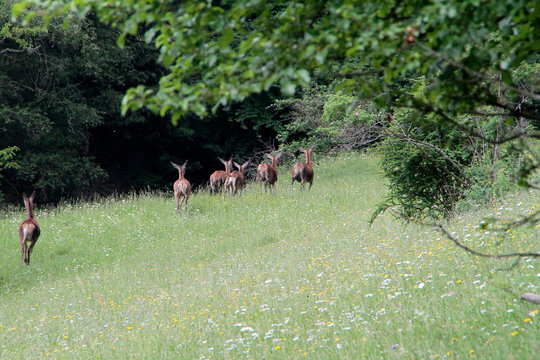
(219, 54)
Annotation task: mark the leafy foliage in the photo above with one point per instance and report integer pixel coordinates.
(58, 86)
(7, 161)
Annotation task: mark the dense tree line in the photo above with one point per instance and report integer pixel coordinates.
(61, 130)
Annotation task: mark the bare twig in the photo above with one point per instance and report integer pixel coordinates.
(486, 255)
(30, 50)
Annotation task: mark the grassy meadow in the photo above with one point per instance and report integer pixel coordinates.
(293, 274)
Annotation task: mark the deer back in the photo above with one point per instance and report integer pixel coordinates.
(182, 184)
(219, 177)
(297, 171)
(29, 230)
(307, 170)
(239, 174)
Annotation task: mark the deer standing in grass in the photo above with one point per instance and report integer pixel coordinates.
(268, 172)
(218, 177)
(303, 172)
(236, 179)
(29, 230)
(181, 187)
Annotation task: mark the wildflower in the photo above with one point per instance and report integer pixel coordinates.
(527, 320)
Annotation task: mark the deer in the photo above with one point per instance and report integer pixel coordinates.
(181, 187)
(267, 173)
(29, 230)
(236, 179)
(303, 172)
(218, 177)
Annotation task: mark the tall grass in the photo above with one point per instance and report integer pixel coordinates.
(292, 274)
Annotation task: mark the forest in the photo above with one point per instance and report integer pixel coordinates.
(97, 98)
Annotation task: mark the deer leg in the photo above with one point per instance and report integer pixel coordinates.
(23, 251)
(181, 202)
(30, 252)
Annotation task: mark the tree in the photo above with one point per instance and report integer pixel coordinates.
(58, 86)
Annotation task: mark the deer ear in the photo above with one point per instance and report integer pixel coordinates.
(184, 166)
(24, 196)
(33, 195)
(237, 164)
(176, 166)
(278, 155)
(246, 163)
(313, 147)
(268, 156)
(301, 149)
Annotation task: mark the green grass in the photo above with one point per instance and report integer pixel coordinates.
(285, 275)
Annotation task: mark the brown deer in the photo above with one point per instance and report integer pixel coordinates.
(218, 177)
(268, 172)
(181, 187)
(303, 172)
(236, 179)
(29, 229)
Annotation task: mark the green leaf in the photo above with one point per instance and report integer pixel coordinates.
(288, 88)
(121, 40)
(226, 39)
(149, 35)
(304, 76)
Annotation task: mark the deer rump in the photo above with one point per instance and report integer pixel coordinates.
(266, 173)
(302, 173)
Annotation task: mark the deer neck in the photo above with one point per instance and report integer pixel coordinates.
(308, 158)
(29, 209)
(228, 169)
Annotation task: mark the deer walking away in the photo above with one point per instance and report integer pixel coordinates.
(236, 179)
(181, 187)
(219, 177)
(267, 173)
(303, 172)
(29, 230)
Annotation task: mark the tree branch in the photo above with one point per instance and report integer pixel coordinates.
(486, 255)
(475, 73)
(30, 50)
(429, 108)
